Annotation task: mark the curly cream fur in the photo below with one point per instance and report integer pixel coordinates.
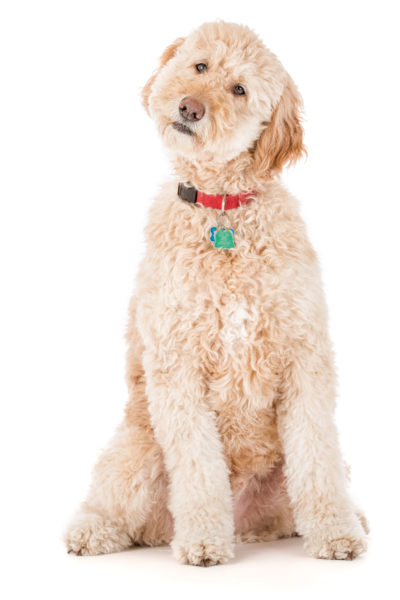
(228, 433)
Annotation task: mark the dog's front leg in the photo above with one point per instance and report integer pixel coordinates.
(315, 474)
(200, 494)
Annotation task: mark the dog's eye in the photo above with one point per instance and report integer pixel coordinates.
(239, 90)
(200, 67)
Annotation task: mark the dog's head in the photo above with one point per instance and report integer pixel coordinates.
(220, 92)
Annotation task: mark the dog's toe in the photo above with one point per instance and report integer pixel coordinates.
(346, 548)
(204, 553)
(92, 534)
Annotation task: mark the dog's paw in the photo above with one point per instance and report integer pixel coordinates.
(91, 534)
(204, 553)
(342, 548)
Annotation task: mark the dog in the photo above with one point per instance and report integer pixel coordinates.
(228, 433)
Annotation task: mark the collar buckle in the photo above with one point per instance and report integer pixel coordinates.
(187, 193)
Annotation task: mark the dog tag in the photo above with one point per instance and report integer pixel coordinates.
(222, 237)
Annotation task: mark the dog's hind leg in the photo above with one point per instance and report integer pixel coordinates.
(129, 484)
(93, 533)
(127, 501)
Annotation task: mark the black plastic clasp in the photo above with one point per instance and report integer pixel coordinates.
(187, 193)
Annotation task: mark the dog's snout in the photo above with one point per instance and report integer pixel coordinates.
(190, 109)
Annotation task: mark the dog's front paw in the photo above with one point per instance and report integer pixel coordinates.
(339, 548)
(203, 553)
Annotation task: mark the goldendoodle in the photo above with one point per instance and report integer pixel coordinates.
(228, 432)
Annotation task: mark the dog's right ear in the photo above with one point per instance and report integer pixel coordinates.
(168, 53)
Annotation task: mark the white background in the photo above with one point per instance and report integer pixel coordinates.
(80, 162)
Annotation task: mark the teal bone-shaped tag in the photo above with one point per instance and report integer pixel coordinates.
(222, 237)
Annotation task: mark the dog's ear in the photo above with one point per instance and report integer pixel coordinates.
(168, 53)
(281, 141)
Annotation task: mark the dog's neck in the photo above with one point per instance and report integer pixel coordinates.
(232, 177)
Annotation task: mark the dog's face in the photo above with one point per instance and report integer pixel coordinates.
(220, 92)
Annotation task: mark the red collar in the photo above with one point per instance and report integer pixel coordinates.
(191, 194)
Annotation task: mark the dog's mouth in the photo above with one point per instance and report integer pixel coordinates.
(182, 128)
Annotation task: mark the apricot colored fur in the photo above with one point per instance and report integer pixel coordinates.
(228, 432)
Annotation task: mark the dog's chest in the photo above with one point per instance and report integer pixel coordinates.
(243, 298)
(229, 305)
(237, 322)
(242, 345)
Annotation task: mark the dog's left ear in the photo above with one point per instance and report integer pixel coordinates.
(168, 53)
(281, 142)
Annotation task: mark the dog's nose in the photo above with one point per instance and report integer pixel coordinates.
(191, 110)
